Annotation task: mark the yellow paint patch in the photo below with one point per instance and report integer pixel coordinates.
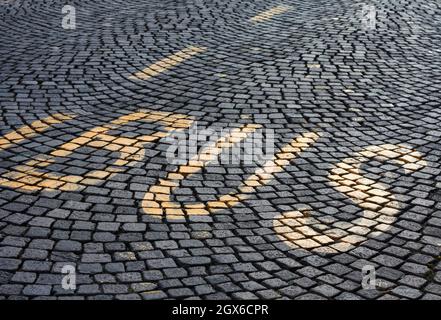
(30, 177)
(268, 14)
(372, 196)
(29, 131)
(167, 63)
(347, 177)
(158, 197)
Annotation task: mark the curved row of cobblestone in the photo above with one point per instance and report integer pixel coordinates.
(366, 192)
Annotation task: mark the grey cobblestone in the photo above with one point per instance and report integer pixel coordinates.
(356, 179)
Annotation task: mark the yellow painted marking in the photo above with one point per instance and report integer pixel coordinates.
(380, 205)
(157, 200)
(29, 131)
(32, 176)
(268, 14)
(167, 63)
(347, 177)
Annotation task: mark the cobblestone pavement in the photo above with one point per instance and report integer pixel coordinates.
(84, 179)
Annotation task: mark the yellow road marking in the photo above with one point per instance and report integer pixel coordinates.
(347, 177)
(268, 14)
(167, 63)
(380, 206)
(31, 176)
(29, 131)
(157, 200)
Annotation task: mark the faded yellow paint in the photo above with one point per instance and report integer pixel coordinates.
(167, 63)
(348, 179)
(372, 196)
(31, 130)
(268, 14)
(158, 198)
(31, 177)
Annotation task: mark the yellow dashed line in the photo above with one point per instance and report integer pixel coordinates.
(167, 63)
(268, 14)
(26, 132)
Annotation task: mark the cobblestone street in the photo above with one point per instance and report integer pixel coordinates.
(354, 182)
